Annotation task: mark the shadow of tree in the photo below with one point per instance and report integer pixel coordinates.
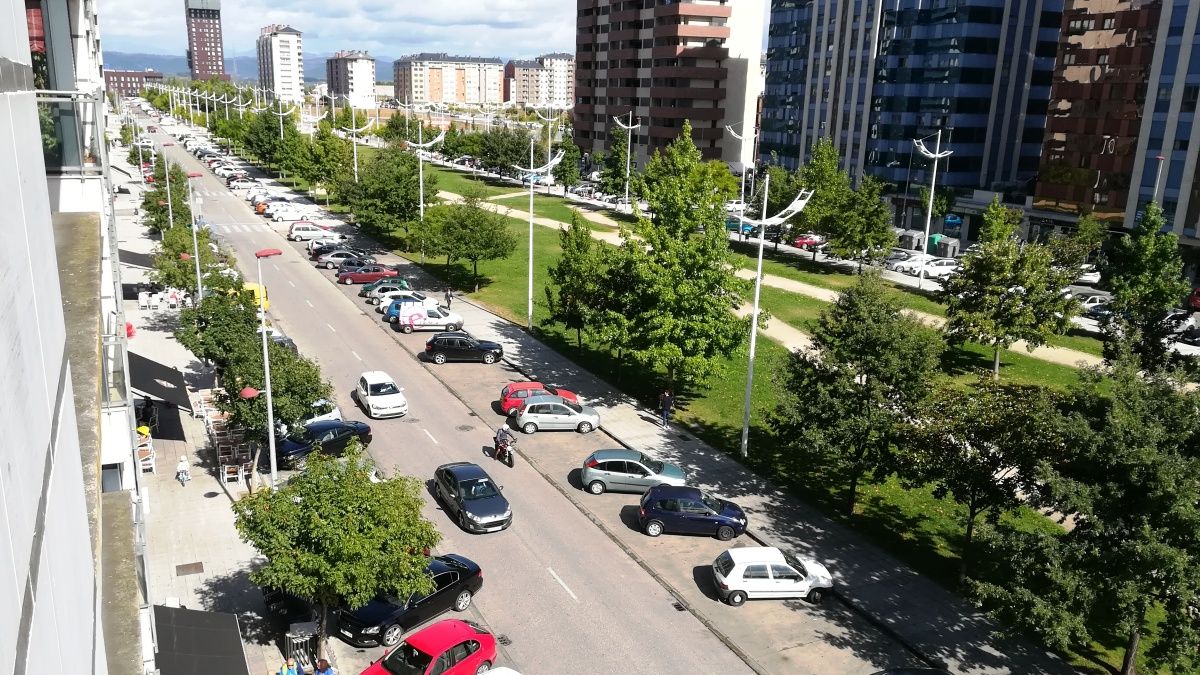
(235, 593)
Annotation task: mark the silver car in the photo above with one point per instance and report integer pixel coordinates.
(627, 471)
(553, 413)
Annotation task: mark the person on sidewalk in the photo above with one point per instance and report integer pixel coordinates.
(449, 297)
(666, 402)
(323, 668)
(291, 668)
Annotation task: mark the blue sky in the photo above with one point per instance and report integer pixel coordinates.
(503, 28)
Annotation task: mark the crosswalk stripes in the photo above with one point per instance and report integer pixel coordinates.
(229, 228)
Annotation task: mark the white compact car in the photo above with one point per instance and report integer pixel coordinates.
(760, 572)
(379, 396)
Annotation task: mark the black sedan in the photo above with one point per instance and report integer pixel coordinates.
(472, 497)
(385, 619)
(331, 436)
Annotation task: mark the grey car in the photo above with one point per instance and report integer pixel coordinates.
(335, 258)
(627, 471)
(552, 413)
(471, 496)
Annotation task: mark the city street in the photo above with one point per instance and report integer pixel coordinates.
(561, 588)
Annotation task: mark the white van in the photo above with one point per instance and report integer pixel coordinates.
(303, 231)
(422, 317)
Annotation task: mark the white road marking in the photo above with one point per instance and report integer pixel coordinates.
(435, 441)
(331, 328)
(560, 583)
(309, 303)
(356, 355)
(290, 283)
(276, 267)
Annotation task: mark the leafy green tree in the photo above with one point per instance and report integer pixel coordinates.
(943, 201)
(576, 279)
(779, 190)
(387, 198)
(262, 136)
(174, 265)
(161, 212)
(685, 193)
(503, 149)
(294, 153)
(1144, 271)
(980, 446)
(865, 229)
(1071, 251)
(296, 383)
(127, 135)
(474, 232)
(613, 165)
(831, 190)
(330, 160)
(843, 403)
(566, 173)
(1129, 477)
(1007, 291)
(332, 535)
(220, 328)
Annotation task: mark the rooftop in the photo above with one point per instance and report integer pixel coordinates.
(351, 54)
(442, 57)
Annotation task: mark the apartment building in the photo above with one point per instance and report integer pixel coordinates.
(352, 74)
(547, 81)
(206, 47)
(130, 82)
(281, 62)
(440, 78)
(667, 62)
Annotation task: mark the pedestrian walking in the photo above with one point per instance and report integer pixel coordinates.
(449, 297)
(666, 402)
(323, 668)
(291, 668)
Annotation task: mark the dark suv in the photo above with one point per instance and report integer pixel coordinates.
(460, 346)
(689, 510)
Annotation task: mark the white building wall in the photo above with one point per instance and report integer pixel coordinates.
(362, 83)
(745, 81)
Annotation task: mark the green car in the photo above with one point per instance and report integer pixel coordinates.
(732, 223)
(390, 281)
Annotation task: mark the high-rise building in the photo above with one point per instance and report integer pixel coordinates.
(352, 74)
(281, 62)
(1101, 79)
(130, 82)
(667, 62)
(439, 78)
(547, 81)
(206, 48)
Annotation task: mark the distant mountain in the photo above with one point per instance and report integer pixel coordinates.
(240, 67)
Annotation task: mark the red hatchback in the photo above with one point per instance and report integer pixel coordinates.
(513, 396)
(450, 647)
(365, 275)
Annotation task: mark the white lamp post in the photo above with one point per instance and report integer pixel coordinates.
(354, 144)
(744, 138)
(259, 255)
(167, 176)
(629, 129)
(195, 240)
(421, 147)
(533, 172)
(549, 132)
(779, 219)
(935, 156)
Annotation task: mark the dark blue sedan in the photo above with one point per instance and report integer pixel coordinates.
(331, 436)
(689, 510)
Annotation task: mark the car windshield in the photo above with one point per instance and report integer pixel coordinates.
(795, 564)
(711, 501)
(407, 660)
(301, 436)
(573, 406)
(384, 388)
(656, 467)
(480, 488)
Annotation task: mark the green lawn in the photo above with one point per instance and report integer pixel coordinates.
(555, 208)
(460, 183)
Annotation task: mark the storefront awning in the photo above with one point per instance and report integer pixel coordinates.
(192, 642)
(153, 379)
(134, 259)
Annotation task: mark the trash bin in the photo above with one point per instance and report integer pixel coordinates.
(947, 247)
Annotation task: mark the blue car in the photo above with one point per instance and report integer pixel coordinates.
(732, 224)
(403, 306)
(689, 510)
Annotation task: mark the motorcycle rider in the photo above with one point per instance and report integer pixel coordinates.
(503, 438)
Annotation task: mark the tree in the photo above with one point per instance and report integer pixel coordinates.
(684, 193)
(331, 159)
(566, 173)
(831, 190)
(332, 535)
(160, 212)
(294, 152)
(296, 383)
(127, 135)
(1145, 274)
(576, 279)
(943, 201)
(865, 229)
(843, 403)
(1130, 479)
(1007, 291)
(219, 328)
(171, 269)
(613, 164)
(387, 197)
(475, 232)
(503, 149)
(981, 447)
(1072, 251)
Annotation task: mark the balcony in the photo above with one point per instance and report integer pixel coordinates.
(692, 30)
(697, 9)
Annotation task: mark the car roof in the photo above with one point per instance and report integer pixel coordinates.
(616, 453)
(325, 424)
(543, 398)
(676, 491)
(522, 386)
(376, 376)
(441, 636)
(755, 554)
(465, 471)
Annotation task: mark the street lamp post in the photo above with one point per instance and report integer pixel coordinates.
(935, 156)
(533, 172)
(420, 146)
(779, 219)
(629, 129)
(195, 239)
(549, 132)
(1157, 177)
(259, 255)
(354, 144)
(744, 138)
(167, 176)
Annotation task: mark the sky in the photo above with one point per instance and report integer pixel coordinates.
(501, 28)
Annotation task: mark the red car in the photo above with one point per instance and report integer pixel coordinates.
(807, 240)
(450, 647)
(513, 396)
(1193, 301)
(365, 275)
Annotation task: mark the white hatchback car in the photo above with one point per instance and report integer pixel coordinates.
(379, 396)
(755, 572)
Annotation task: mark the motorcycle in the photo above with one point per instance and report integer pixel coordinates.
(505, 451)
(183, 472)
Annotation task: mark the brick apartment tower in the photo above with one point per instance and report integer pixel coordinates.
(206, 49)
(668, 61)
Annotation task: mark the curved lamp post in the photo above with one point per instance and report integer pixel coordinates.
(935, 156)
(420, 146)
(533, 172)
(354, 144)
(549, 133)
(195, 244)
(259, 255)
(629, 129)
(744, 138)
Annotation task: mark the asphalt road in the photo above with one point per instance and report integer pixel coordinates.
(568, 598)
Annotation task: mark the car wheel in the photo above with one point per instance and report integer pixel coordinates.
(816, 596)
(291, 238)
(736, 599)
(725, 533)
(407, 328)
(451, 327)
(584, 427)
(347, 281)
(596, 487)
(529, 428)
(462, 602)
(389, 636)
(489, 358)
(462, 521)
(654, 528)
(439, 358)
(483, 668)
(328, 265)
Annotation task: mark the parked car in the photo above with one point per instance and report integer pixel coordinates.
(808, 240)
(305, 230)
(1193, 300)
(938, 268)
(735, 205)
(335, 239)
(385, 619)
(367, 274)
(415, 316)
(373, 291)
(331, 436)
(908, 265)
(736, 224)
(388, 302)
(513, 396)
(1190, 336)
(461, 346)
(1098, 312)
(551, 413)
(471, 497)
(626, 471)
(1090, 300)
(323, 249)
(288, 215)
(755, 572)
(334, 258)
(1088, 274)
(379, 395)
(449, 647)
(242, 184)
(688, 510)
(323, 410)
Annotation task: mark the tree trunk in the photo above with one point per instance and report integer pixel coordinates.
(253, 481)
(323, 633)
(852, 494)
(966, 549)
(1129, 664)
(996, 362)
(579, 339)
(475, 273)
